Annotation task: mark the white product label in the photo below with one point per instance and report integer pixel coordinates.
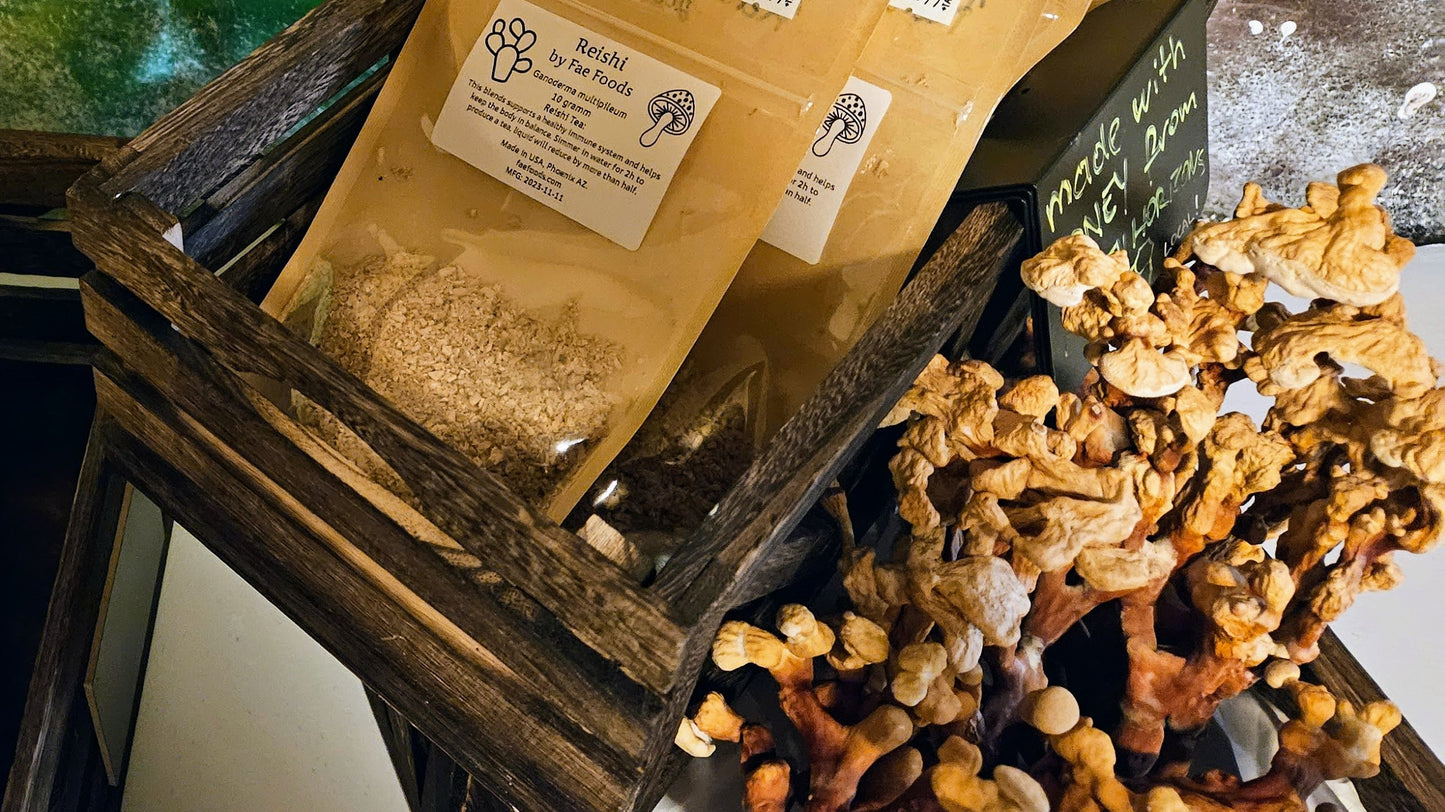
(782, 8)
(939, 11)
(806, 213)
(583, 124)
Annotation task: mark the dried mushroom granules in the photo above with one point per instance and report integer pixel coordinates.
(520, 392)
(672, 491)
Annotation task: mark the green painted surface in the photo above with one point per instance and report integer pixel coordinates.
(113, 66)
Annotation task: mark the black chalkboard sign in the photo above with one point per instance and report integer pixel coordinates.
(1107, 136)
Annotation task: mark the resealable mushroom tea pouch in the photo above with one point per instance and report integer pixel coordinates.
(544, 208)
(861, 205)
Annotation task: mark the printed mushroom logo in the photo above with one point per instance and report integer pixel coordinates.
(506, 43)
(844, 123)
(671, 112)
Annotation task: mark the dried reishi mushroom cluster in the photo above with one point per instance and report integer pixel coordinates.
(1134, 503)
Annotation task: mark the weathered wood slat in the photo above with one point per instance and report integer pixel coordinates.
(56, 740)
(592, 597)
(37, 167)
(1411, 775)
(609, 711)
(280, 182)
(82, 785)
(178, 159)
(444, 786)
(396, 655)
(35, 170)
(254, 272)
(48, 352)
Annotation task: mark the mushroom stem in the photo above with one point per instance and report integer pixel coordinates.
(655, 132)
(825, 142)
(1020, 671)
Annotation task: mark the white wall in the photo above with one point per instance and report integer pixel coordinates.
(243, 712)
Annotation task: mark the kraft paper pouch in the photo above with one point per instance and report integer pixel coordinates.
(849, 228)
(544, 208)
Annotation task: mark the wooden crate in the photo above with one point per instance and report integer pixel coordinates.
(539, 665)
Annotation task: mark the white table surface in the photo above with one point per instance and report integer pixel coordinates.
(241, 711)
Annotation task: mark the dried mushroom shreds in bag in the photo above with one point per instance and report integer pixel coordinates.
(863, 202)
(545, 206)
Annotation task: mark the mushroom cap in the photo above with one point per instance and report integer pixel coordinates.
(961, 752)
(853, 112)
(1053, 711)
(1140, 371)
(986, 592)
(1166, 799)
(1338, 247)
(884, 730)
(1020, 788)
(918, 665)
(1115, 569)
(1410, 434)
(680, 103)
(924, 658)
(738, 644)
(1070, 267)
(1287, 352)
(716, 720)
(1280, 673)
(864, 639)
(1035, 396)
(807, 638)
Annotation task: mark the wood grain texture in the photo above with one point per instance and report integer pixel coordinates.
(82, 785)
(444, 786)
(253, 273)
(424, 676)
(275, 185)
(56, 741)
(534, 661)
(37, 167)
(230, 121)
(1411, 775)
(42, 324)
(592, 597)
